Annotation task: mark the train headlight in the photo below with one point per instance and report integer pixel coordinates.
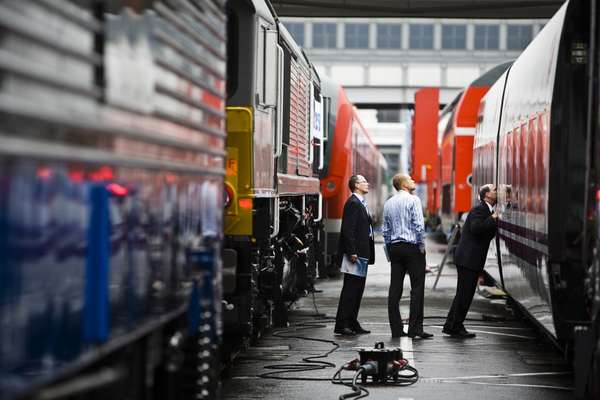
(228, 195)
(330, 185)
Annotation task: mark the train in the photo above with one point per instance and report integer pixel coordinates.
(293, 141)
(456, 132)
(538, 139)
(111, 168)
(162, 166)
(274, 136)
(349, 150)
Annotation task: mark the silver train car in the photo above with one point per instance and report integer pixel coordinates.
(112, 150)
(537, 138)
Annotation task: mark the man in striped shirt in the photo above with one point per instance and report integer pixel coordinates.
(403, 229)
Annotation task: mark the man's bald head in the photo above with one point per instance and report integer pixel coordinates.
(403, 182)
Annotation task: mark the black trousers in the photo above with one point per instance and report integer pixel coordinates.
(465, 290)
(347, 312)
(406, 257)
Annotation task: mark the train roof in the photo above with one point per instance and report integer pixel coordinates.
(264, 9)
(452, 105)
(491, 76)
(484, 81)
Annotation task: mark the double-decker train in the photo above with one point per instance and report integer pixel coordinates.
(456, 132)
(538, 139)
(160, 166)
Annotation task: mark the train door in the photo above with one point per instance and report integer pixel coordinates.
(267, 126)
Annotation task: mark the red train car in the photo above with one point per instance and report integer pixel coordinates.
(425, 158)
(349, 150)
(456, 130)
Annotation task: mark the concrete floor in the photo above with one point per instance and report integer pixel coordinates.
(507, 360)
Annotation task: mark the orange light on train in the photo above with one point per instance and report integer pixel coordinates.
(245, 204)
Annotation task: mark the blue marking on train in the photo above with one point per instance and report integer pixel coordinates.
(200, 261)
(207, 296)
(194, 310)
(96, 307)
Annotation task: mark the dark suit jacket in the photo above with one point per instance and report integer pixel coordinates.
(479, 229)
(354, 235)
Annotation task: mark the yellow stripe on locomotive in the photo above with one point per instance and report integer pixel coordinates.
(238, 179)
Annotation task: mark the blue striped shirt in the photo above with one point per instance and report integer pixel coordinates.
(403, 219)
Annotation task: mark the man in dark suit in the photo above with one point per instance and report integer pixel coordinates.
(470, 255)
(356, 244)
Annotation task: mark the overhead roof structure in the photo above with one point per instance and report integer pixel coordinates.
(497, 9)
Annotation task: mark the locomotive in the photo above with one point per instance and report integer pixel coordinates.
(273, 211)
(538, 139)
(293, 141)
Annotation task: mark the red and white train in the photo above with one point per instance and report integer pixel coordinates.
(349, 150)
(456, 132)
(538, 139)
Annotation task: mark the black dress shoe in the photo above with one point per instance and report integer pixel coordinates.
(422, 335)
(361, 331)
(345, 332)
(399, 335)
(464, 334)
(449, 331)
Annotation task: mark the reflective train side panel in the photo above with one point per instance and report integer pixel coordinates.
(111, 173)
(485, 152)
(350, 150)
(540, 137)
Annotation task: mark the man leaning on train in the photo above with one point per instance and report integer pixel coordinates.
(470, 255)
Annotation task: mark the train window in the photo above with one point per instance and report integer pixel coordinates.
(270, 75)
(531, 166)
(540, 175)
(523, 166)
(508, 161)
(260, 66)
